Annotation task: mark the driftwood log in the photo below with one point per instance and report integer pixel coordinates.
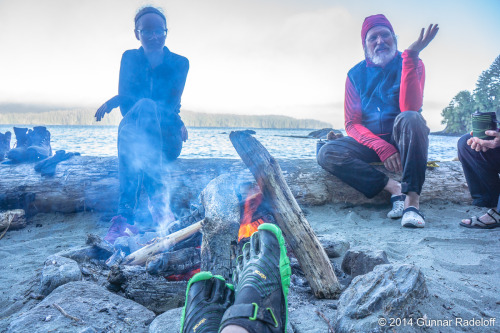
(12, 219)
(288, 215)
(220, 229)
(91, 183)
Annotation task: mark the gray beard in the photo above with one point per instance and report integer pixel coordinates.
(383, 58)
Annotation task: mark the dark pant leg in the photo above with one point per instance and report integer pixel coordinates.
(172, 143)
(158, 193)
(139, 153)
(481, 172)
(349, 160)
(411, 137)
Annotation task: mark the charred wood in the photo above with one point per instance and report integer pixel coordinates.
(176, 262)
(152, 291)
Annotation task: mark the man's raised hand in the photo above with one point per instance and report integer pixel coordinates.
(425, 38)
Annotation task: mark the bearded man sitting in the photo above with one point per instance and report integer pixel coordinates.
(383, 120)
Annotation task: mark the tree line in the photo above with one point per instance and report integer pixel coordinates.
(484, 98)
(190, 118)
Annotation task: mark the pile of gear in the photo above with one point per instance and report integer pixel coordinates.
(32, 145)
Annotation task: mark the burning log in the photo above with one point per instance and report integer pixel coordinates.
(222, 222)
(288, 215)
(140, 256)
(174, 263)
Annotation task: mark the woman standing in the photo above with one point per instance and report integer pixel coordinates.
(151, 132)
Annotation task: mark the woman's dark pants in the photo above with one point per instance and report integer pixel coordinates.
(350, 161)
(145, 145)
(481, 171)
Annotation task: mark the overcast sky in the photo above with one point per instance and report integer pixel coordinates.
(286, 57)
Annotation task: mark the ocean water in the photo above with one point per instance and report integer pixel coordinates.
(212, 142)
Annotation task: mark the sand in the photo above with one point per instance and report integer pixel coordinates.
(461, 266)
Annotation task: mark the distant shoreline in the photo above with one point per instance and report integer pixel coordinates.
(441, 133)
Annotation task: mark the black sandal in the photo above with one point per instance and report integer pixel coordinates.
(476, 223)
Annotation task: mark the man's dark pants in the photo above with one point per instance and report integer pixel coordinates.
(481, 171)
(350, 161)
(145, 145)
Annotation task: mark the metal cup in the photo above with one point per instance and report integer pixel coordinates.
(481, 122)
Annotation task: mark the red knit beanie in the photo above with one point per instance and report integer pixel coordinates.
(372, 21)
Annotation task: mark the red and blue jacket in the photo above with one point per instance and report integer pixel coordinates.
(374, 96)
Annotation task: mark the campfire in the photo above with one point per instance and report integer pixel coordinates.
(154, 270)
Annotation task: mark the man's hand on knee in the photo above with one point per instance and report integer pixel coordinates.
(393, 163)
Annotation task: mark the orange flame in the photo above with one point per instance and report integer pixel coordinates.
(247, 226)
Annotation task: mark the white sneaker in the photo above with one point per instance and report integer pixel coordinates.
(398, 205)
(412, 218)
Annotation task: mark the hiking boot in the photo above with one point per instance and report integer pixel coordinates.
(4, 144)
(119, 228)
(39, 145)
(262, 280)
(18, 154)
(207, 298)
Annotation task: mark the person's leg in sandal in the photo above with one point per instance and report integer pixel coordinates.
(207, 298)
(490, 220)
(262, 280)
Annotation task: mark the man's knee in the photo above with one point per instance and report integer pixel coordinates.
(463, 147)
(332, 154)
(410, 117)
(411, 121)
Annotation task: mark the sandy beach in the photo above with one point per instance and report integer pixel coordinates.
(461, 266)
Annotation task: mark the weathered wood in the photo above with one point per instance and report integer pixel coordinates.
(222, 223)
(12, 219)
(140, 256)
(152, 291)
(287, 213)
(91, 183)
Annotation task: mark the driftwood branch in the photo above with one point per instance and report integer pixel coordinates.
(287, 213)
(65, 314)
(140, 256)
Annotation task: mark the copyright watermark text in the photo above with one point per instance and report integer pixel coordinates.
(427, 322)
